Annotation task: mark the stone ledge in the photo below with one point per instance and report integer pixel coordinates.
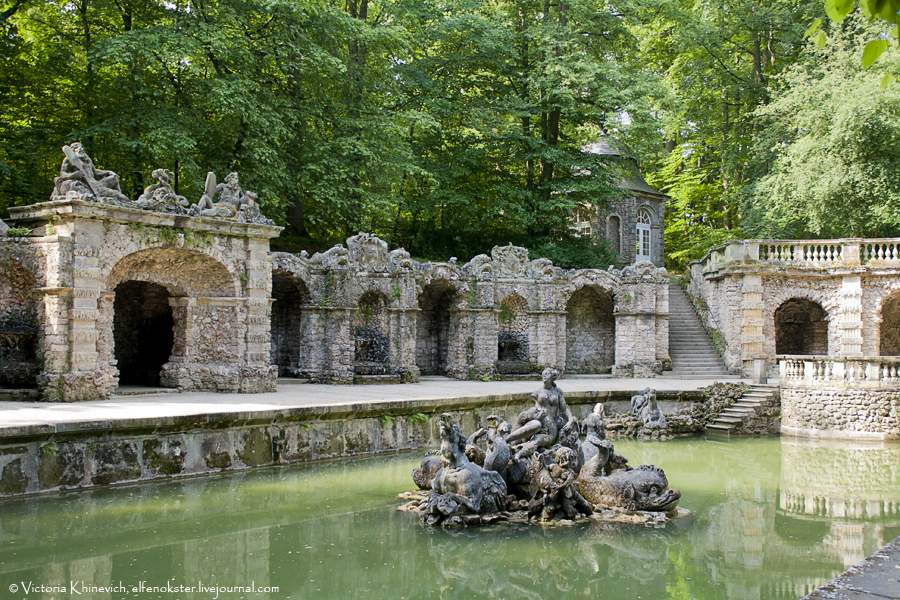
(223, 420)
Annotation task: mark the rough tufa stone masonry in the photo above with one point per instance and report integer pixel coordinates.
(361, 311)
(107, 291)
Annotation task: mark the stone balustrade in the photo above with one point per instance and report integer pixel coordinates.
(805, 253)
(831, 397)
(822, 371)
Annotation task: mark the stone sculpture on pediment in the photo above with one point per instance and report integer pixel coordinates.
(368, 252)
(644, 271)
(233, 203)
(400, 260)
(510, 261)
(161, 196)
(543, 269)
(79, 179)
(480, 267)
(336, 256)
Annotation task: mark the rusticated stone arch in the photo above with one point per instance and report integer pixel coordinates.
(590, 331)
(20, 310)
(889, 331)
(513, 335)
(290, 295)
(183, 272)
(371, 334)
(433, 327)
(801, 327)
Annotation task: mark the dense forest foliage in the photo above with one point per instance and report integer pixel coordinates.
(448, 126)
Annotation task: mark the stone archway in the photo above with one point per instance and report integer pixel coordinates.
(801, 327)
(590, 331)
(513, 344)
(371, 335)
(433, 328)
(889, 332)
(143, 331)
(290, 294)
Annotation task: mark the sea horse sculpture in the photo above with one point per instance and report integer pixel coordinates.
(643, 488)
(461, 488)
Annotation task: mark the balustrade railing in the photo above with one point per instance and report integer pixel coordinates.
(821, 370)
(805, 253)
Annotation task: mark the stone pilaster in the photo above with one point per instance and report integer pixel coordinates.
(456, 364)
(402, 353)
(751, 321)
(485, 340)
(548, 347)
(851, 316)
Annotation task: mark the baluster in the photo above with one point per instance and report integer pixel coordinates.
(881, 251)
(885, 372)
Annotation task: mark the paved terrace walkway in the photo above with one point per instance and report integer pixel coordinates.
(15, 415)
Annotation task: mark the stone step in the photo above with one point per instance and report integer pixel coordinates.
(290, 381)
(729, 420)
(719, 428)
(746, 405)
(141, 390)
(743, 415)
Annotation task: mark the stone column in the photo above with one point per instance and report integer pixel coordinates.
(751, 322)
(851, 316)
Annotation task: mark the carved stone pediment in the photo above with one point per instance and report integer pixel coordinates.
(510, 261)
(368, 252)
(336, 256)
(480, 267)
(643, 271)
(543, 269)
(400, 260)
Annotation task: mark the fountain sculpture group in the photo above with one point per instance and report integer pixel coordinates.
(536, 468)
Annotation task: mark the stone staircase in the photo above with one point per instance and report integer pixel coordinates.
(692, 352)
(750, 414)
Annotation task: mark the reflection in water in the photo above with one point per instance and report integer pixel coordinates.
(771, 519)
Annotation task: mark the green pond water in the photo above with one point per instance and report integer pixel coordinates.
(771, 518)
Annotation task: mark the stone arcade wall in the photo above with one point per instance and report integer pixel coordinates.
(215, 273)
(459, 320)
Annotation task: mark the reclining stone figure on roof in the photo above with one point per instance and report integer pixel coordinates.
(79, 177)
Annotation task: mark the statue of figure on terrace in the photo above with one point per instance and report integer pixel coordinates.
(651, 416)
(79, 178)
(641, 401)
(161, 196)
